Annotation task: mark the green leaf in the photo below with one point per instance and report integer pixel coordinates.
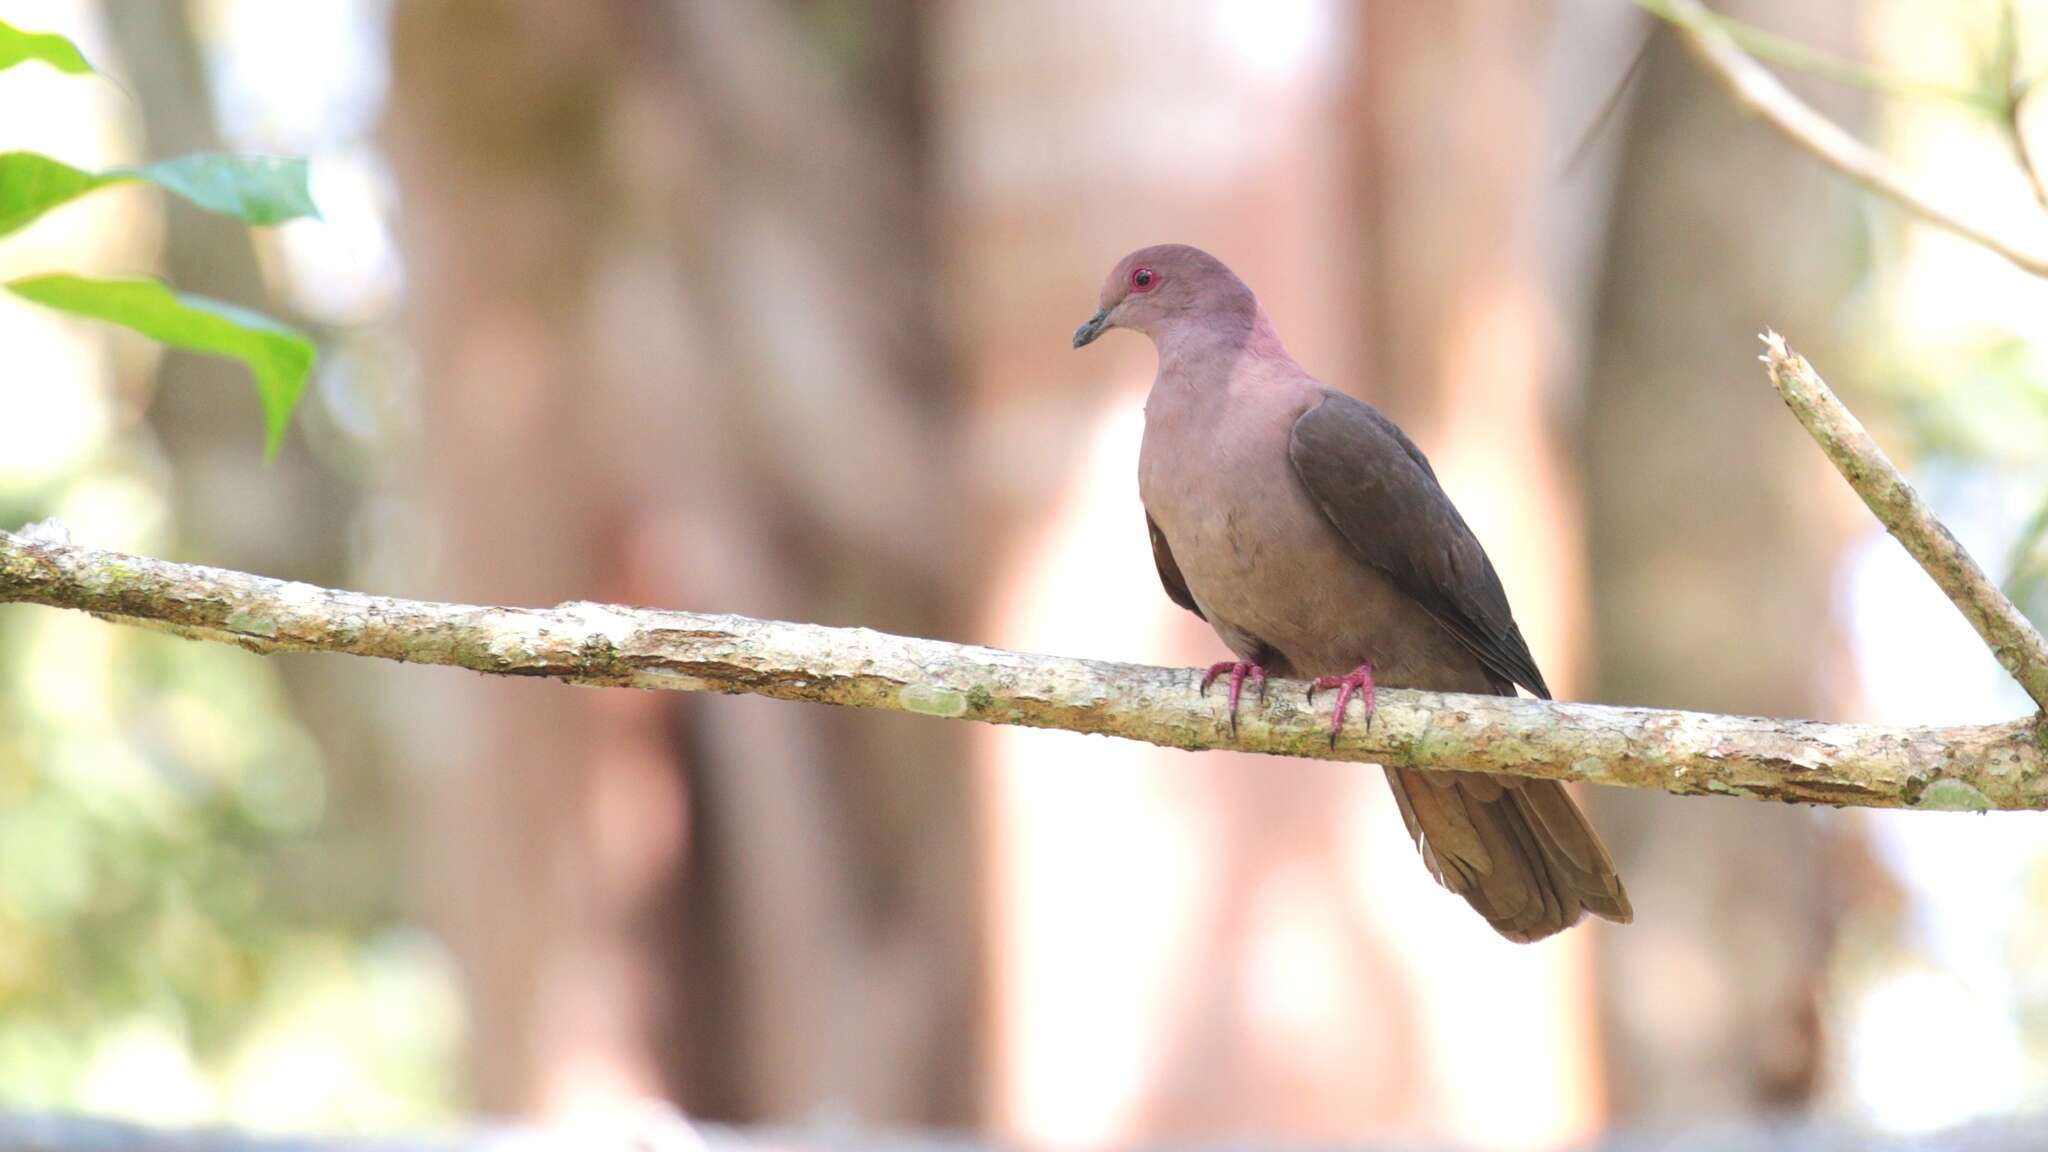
(262, 190)
(18, 47)
(31, 184)
(279, 358)
(257, 189)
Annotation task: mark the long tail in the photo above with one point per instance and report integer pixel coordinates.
(1519, 851)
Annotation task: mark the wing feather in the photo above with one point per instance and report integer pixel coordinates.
(1379, 492)
(1169, 571)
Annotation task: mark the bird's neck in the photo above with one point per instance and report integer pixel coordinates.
(1202, 352)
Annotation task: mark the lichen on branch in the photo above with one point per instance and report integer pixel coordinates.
(1976, 767)
(2012, 638)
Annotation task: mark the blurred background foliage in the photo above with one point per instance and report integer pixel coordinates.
(761, 306)
(196, 921)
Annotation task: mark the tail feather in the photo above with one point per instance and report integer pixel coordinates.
(1519, 851)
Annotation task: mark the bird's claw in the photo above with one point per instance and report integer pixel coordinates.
(1239, 671)
(1357, 682)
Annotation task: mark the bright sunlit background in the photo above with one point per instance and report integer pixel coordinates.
(762, 306)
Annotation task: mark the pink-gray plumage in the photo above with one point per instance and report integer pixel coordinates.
(1310, 532)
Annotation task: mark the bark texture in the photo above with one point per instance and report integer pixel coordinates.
(1972, 767)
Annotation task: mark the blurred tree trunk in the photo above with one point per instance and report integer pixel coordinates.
(1183, 953)
(1479, 254)
(668, 288)
(1211, 945)
(1716, 532)
(1467, 236)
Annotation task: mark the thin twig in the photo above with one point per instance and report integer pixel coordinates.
(1607, 110)
(1990, 766)
(2011, 637)
(1789, 53)
(2018, 87)
(1756, 89)
(2025, 150)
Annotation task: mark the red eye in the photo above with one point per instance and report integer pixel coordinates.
(1142, 279)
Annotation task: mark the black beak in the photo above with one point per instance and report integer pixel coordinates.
(1086, 333)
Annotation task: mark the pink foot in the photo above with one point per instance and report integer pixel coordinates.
(1359, 682)
(1238, 670)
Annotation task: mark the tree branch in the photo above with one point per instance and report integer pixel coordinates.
(1990, 766)
(1755, 89)
(2010, 635)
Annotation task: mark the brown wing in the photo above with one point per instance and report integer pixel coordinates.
(1378, 491)
(1169, 572)
(1519, 851)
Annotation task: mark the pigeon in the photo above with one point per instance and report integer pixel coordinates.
(1312, 535)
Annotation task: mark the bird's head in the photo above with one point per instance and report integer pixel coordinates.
(1155, 288)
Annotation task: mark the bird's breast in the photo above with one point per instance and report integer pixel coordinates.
(1269, 572)
(1254, 552)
